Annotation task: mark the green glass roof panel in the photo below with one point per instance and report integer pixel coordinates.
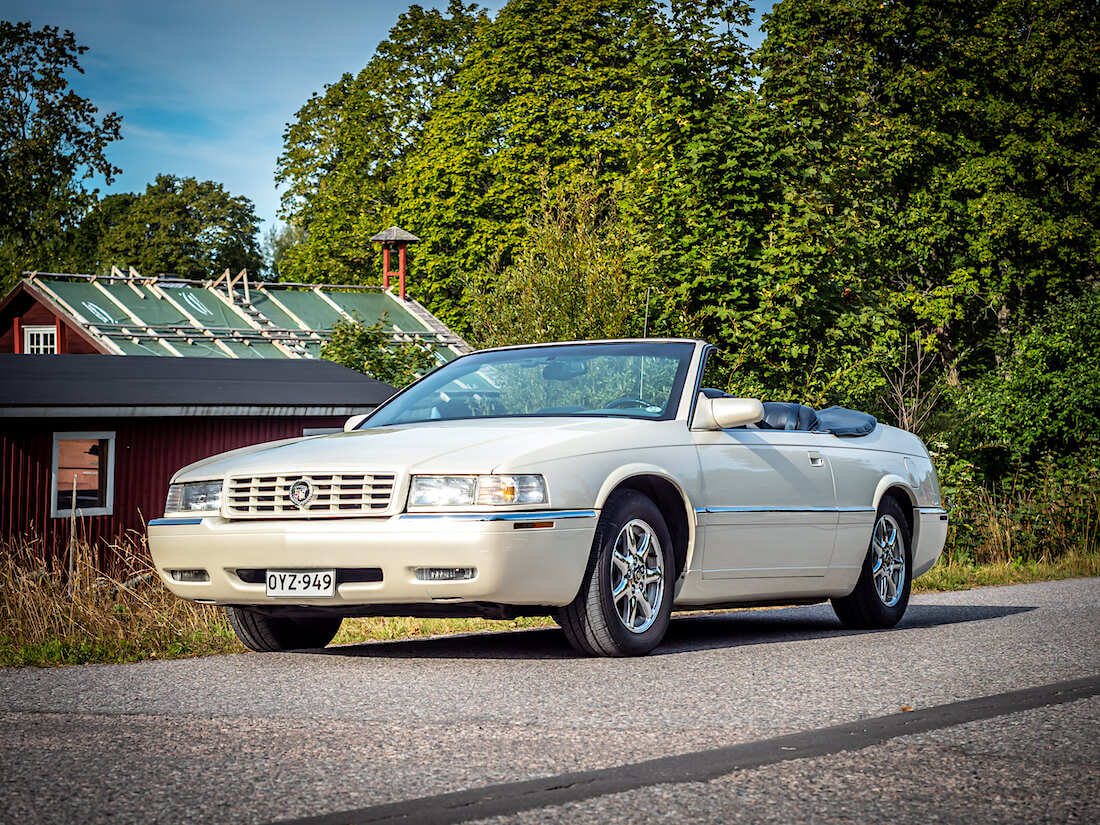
(447, 353)
(153, 309)
(113, 313)
(258, 349)
(143, 346)
(267, 350)
(206, 307)
(271, 311)
(370, 306)
(313, 349)
(310, 307)
(196, 347)
(149, 307)
(89, 302)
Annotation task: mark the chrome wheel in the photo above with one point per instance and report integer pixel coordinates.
(625, 600)
(881, 593)
(637, 576)
(888, 560)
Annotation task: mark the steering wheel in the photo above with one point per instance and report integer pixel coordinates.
(626, 403)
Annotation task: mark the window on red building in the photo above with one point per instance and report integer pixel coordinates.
(39, 340)
(83, 474)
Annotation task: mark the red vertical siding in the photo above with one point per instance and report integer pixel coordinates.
(24, 474)
(147, 452)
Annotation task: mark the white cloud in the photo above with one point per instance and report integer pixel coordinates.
(205, 87)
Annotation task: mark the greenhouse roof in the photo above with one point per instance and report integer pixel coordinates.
(130, 314)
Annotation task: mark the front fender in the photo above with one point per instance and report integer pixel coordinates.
(624, 474)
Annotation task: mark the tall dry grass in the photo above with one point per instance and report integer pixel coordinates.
(49, 616)
(69, 611)
(1040, 516)
(1038, 525)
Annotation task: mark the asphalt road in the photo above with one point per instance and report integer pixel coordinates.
(750, 716)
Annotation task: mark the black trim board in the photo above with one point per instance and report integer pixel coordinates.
(509, 798)
(68, 381)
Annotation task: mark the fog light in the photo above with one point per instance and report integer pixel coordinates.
(196, 575)
(445, 574)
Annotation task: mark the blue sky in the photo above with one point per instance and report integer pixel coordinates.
(206, 87)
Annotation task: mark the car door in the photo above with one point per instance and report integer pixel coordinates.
(769, 505)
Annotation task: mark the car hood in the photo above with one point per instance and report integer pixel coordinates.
(477, 446)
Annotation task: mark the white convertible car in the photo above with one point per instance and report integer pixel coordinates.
(596, 482)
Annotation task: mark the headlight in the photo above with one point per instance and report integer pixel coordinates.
(205, 495)
(465, 491)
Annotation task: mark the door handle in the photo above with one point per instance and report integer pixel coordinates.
(816, 459)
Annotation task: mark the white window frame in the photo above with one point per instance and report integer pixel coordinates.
(63, 509)
(29, 332)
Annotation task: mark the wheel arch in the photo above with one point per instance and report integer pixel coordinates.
(895, 487)
(671, 500)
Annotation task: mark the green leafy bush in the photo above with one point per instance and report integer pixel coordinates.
(373, 351)
(1039, 514)
(1046, 397)
(570, 282)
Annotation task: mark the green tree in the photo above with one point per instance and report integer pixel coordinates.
(277, 242)
(374, 351)
(570, 280)
(51, 142)
(81, 253)
(191, 228)
(960, 141)
(724, 224)
(543, 92)
(346, 146)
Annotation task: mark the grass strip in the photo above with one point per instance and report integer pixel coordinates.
(949, 574)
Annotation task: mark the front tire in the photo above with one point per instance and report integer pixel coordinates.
(882, 592)
(625, 601)
(269, 634)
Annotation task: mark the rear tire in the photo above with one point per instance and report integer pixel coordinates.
(625, 601)
(269, 634)
(882, 592)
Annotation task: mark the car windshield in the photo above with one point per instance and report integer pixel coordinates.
(635, 379)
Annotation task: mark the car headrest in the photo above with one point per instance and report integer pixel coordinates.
(779, 415)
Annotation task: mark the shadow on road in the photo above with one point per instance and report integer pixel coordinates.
(687, 632)
(753, 627)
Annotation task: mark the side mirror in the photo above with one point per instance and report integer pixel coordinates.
(354, 422)
(724, 413)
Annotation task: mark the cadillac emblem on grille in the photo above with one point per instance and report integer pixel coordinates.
(301, 491)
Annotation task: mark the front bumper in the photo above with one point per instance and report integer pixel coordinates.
(535, 558)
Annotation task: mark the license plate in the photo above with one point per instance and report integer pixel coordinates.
(313, 584)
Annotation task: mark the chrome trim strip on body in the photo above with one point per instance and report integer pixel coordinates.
(162, 522)
(538, 515)
(707, 510)
(931, 511)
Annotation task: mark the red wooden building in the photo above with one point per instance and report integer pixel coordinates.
(120, 426)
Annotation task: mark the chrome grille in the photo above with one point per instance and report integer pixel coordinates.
(334, 494)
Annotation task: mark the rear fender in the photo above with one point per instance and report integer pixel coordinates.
(889, 482)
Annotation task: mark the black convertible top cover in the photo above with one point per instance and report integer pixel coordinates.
(842, 421)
